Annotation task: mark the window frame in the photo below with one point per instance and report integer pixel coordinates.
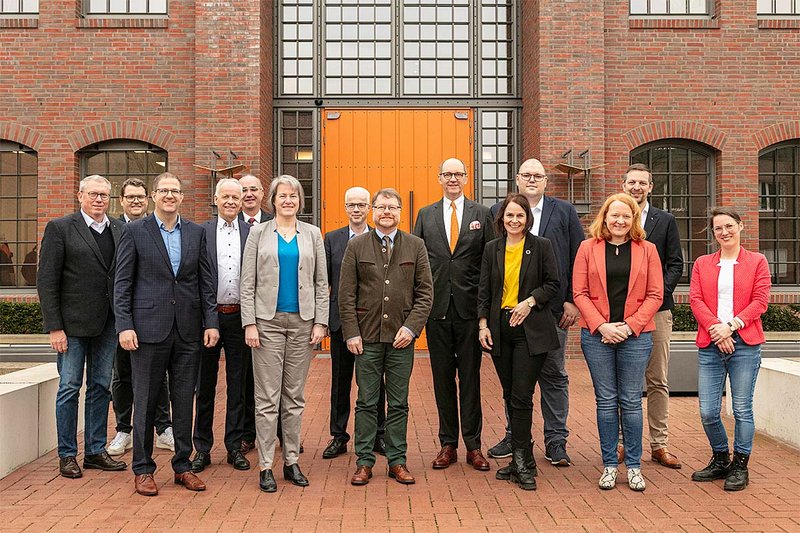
(19, 12)
(648, 14)
(794, 6)
(17, 263)
(87, 10)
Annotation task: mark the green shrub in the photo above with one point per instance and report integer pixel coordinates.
(778, 317)
(20, 318)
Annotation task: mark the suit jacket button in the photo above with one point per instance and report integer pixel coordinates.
(176, 282)
(300, 287)
(172, 302)
(386, 282)
(385, 316)
(385, 298)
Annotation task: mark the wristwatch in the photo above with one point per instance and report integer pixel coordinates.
(530, 301)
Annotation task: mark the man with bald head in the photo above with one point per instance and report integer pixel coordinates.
(557, 221)
(455, 230)
(356, 205)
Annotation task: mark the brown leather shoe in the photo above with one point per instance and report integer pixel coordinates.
(620, 453)
(362, 476)
(247, 446)
(145, 485)
(664, 458)
(401, 474)
(68, 467)
(477, 460)
(190, 481)
(447, 456)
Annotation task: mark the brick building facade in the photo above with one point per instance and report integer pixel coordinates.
(705, 94)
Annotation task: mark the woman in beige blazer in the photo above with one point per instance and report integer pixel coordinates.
(284, 299)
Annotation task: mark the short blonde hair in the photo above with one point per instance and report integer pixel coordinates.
(599, 230)
(292, 182)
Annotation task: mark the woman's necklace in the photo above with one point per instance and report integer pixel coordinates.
(285, 232)
(616, 246)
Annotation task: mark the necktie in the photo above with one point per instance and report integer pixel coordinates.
(387, 245)
(251, 221)
(453, 227)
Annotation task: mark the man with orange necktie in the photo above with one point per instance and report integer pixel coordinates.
(455, 231)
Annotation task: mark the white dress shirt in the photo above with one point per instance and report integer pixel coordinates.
(645, 212)
(257, 216)
(228, 261)
(536, 212)
(448, 210)
(725, 290)
(99, 227)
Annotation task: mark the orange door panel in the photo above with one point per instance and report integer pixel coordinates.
(399, 148)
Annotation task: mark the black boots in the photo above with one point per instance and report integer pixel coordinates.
(717, 468)
(504, 473)
(738, 476)
(521, 474)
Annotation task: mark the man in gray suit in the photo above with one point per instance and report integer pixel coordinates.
(385, 296)
(75, 284)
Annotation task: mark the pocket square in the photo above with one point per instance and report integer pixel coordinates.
(475, 224)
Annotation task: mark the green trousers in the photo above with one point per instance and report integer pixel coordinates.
(381, 359)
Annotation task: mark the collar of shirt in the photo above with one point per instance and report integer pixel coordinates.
(92, 223)
(723, 262)
(257, 216)
(162, 227)
(125, 218)
(223, 224)
(539, 205)
(381, 235)
(352, 233)
(459, 203)
(645, 212)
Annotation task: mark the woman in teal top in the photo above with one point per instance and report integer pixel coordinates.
(284, 299)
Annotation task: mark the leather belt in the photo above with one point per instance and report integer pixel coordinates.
(227, 309)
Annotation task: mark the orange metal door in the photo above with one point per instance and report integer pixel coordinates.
(400, 148)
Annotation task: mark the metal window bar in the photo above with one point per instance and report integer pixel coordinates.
(497, 156)
(497, 47)
(297, 156)
(296, 45)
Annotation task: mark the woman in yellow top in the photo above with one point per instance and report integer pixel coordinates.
(519, 277)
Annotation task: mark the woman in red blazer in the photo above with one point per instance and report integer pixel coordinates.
(618, 286)
(729, 292)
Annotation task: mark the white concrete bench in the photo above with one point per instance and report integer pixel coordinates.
(28, 415)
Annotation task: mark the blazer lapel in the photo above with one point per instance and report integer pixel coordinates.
(599, 255)
(466, 219)
(526, 261)
(86, 234)
(547, 210)
(116, 228)
(244, 231)
(501, 261)
(211, 242)
(152, 228)
(637, 258)
(651, 220)
(184, 247)
(438, 215)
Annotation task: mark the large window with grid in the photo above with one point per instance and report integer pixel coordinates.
(683, 174)
(358, 47)
(296, 154)
(671, 8)
(408, 48)
(18, 202)
(119, 160)
(496, 153)
(125, 7)
(779, 7)
(779, 211)
(19, 7)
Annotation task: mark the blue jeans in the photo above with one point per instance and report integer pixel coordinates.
(742, 368)
(97, 353)
(617, 372)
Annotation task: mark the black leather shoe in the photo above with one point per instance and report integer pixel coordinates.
(266, 481)
(292, 473)
(201, 461)
(380, 445)
(238, 460)
(68, 467)
(103, 461)
(335, 448)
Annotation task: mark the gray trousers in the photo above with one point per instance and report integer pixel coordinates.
(280, 368)
(554, 389)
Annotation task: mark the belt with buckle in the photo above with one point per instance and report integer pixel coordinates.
(227, 309)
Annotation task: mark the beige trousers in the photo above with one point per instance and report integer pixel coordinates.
(280, 368)
(656, 378)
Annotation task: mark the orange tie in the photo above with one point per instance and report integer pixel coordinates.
(453, 227)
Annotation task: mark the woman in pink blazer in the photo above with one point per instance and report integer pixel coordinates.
(618, 286)
(729, 292)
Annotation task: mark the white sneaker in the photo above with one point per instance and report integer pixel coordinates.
(635, 479)
(166, 441)
(121, 442)
(609, 478)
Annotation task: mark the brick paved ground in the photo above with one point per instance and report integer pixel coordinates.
(35, 498)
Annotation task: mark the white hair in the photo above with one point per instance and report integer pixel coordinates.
(96, 178)
(357, 190)
(226, 181)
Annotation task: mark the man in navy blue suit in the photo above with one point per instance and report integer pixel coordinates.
(165, 303)
(226, 235)
(557, 221)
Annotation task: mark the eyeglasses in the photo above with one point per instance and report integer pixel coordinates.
(727, 227)
(360, 206)
(167, 192)
(447, 176)
(135, 198)
(383, 208)
(95, 195)
(536, 178)
(251, 189)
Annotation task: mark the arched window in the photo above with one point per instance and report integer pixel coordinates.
(119, 160)
(779, 210)
(682, 185)
(18, 199)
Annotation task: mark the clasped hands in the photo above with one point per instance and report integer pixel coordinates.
(721, 336)
(613, 332)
